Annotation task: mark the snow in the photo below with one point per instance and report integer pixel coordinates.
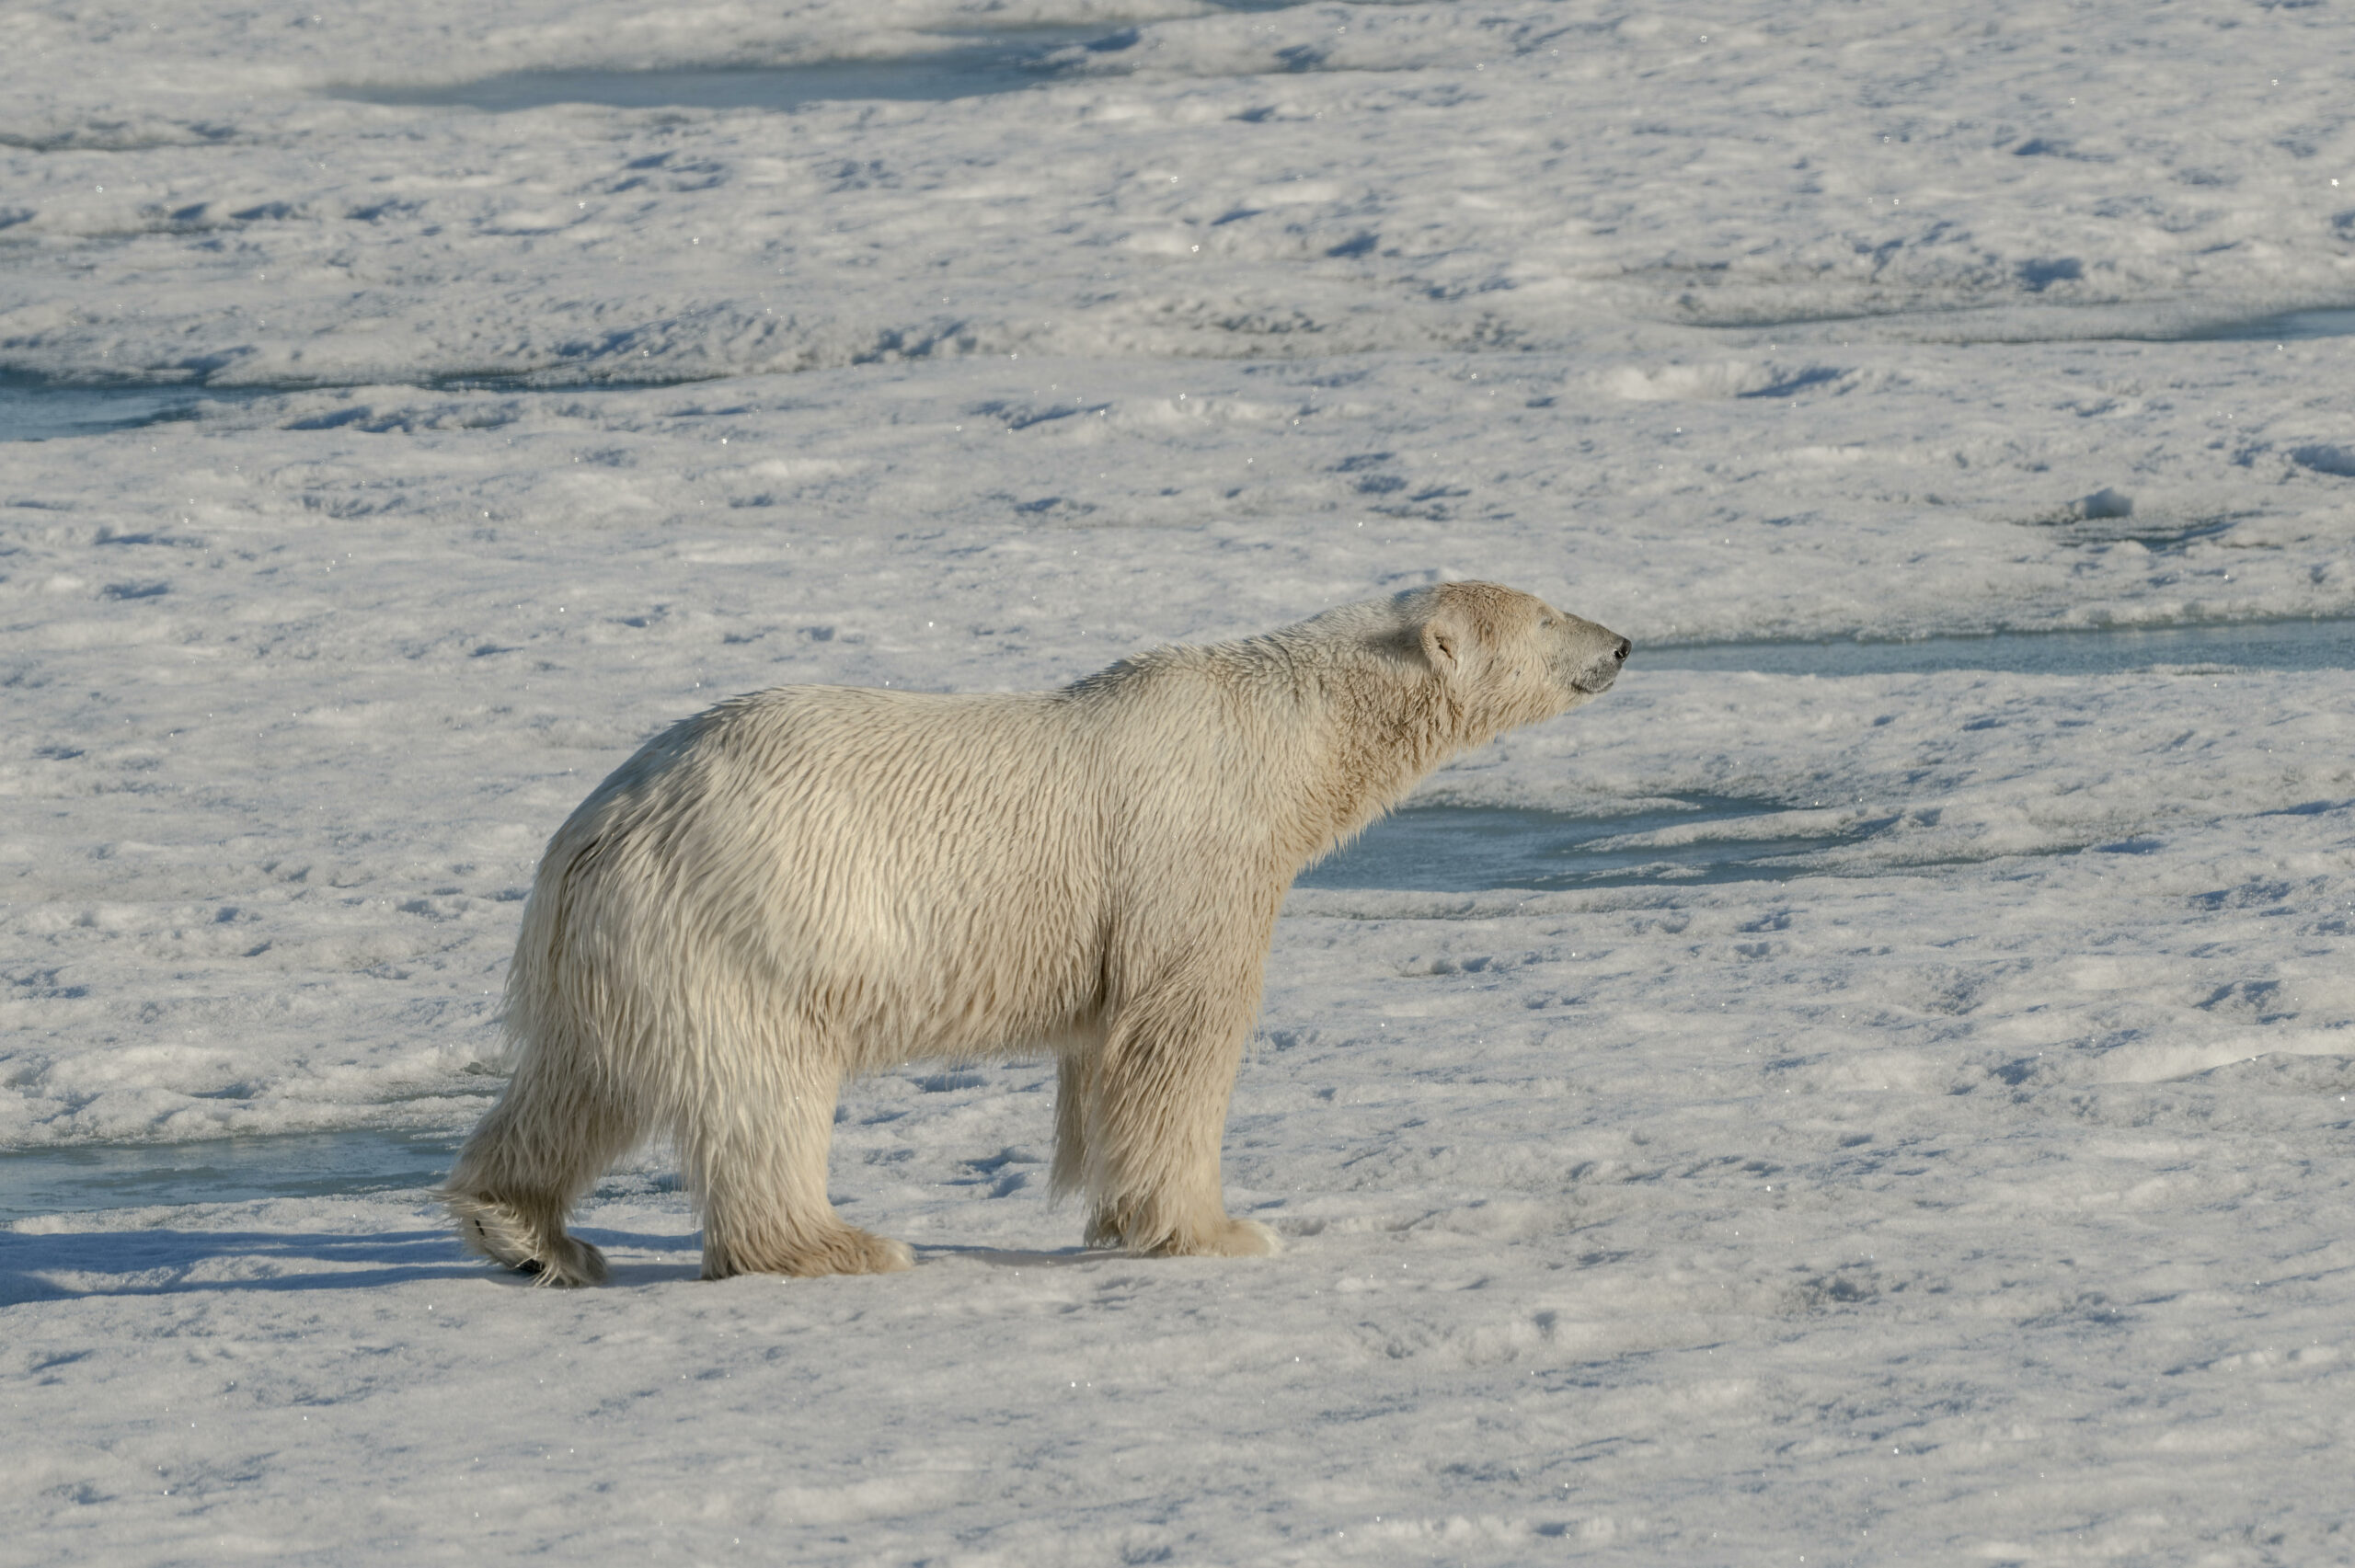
(1940, 1153)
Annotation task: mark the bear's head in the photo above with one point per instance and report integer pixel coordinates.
(1508, 659)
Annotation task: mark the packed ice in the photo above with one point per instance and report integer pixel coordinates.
(1817, 1101)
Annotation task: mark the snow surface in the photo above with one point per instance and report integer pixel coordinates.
(1977, 1189)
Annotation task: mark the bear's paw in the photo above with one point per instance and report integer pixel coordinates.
(842, 1249)
(1231, 1238)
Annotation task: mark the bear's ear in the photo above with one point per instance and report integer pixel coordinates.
(1447, 641)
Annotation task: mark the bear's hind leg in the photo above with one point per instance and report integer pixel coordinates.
(540, 1148)
(1075, 1100)
(757, 1151)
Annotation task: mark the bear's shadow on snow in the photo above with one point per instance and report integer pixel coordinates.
(1016, 1257)
(70, 1265)
(74, 1264)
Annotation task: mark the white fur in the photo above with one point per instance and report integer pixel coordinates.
(809, 883)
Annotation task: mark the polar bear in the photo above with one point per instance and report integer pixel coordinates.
(809, 883)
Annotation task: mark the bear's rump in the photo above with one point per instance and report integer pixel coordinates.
(923, 899)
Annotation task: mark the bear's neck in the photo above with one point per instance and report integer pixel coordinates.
(1384, 730)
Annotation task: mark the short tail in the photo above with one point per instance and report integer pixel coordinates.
(531, 1243)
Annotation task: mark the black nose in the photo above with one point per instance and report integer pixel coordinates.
(1621, 652)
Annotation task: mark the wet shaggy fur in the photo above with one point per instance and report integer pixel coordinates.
(809, 883)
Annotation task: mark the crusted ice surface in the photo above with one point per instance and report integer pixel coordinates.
(1975, 1184)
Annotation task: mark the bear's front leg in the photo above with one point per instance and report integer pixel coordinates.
(1152, 1111)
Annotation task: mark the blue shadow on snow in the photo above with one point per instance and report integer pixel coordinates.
(76, 1265)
